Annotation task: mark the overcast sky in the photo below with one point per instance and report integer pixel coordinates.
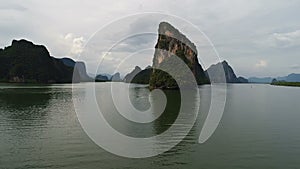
(257, 37)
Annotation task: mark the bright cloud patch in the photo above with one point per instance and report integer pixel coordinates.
(261, 63)
(288, 39)
(75, 43)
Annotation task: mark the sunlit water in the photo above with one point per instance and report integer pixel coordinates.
(259, 129)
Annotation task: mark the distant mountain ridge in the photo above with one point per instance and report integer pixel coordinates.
(105, 77)
(216, 71)
(260, 79)
(293, 77)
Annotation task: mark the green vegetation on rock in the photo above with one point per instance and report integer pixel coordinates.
(143, 77)
(25, 62)
(283, 83)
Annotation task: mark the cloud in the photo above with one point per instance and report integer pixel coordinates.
(261, 64)
(295, 66)
(140, 33)
(284, 40)
(10, 6)
(75, 44)
(232, 26)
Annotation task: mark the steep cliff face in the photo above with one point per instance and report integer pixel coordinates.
(80, 74)
(171, 43)
(223, 71)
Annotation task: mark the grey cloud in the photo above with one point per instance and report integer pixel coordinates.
(288, 39)
(295, 66)
(241, 30)
(10, 6)
(141, 33)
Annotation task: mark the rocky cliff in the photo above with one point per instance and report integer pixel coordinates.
(172, 43)
(223, 71)
(80, 74)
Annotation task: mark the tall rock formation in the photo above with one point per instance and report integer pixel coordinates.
(80, 74)
(222, 71)
(116, 77)
(172, 43)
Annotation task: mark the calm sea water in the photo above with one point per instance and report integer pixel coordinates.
(259, 129)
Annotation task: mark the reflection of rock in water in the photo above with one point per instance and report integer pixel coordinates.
(178, 125)
(171, 111)
(22, 103)
(25, 98)
(139, 99)
(33, 107)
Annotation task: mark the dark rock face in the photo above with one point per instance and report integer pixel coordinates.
(139, 76)
(128, 78)
(223, 72)
(68, 62)
(24, 61)
(80, 69)
(171, 43)
(143, 77)
(80, 74)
